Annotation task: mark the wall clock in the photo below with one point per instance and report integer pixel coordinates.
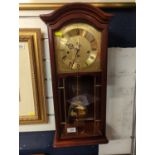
(78, 39)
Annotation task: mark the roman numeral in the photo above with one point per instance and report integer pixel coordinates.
(91, 57)
(64, 57)
(78, 31)
(83, 33)
(92, 40)
(78, 66)
(86, 63)
(94, 49)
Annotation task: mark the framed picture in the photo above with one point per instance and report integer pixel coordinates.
(32, 102)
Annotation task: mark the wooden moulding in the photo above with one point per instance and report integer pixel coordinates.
(79, 142)
(53, 6)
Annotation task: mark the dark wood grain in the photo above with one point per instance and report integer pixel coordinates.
(71, 13)
(78, 142)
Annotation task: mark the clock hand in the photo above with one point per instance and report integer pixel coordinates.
(78, 43)
(77, 50)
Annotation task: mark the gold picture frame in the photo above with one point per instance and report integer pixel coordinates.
(53, 6)
(32, 101)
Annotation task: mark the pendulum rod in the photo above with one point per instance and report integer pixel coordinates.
(94, 97)
(77, 93)
(77, 85)
(94, 103)
(65, 99)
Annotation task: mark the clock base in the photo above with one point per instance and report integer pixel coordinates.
(79, 142)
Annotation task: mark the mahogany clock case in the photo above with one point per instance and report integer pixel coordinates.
(92, 128)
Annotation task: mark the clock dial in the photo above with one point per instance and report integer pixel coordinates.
(78, 51)
(77, 46)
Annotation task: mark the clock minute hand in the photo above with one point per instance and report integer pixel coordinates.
(77, 50)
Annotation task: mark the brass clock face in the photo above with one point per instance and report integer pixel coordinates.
(77, 48)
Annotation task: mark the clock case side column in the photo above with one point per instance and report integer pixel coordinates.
(104, 55)
(54, 81)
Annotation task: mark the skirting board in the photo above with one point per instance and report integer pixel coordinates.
(118, 146)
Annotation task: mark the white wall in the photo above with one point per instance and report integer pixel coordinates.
(120, 90)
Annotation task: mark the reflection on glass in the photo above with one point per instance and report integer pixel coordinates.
(80, 106)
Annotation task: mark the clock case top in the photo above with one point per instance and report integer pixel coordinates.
(73, 13)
